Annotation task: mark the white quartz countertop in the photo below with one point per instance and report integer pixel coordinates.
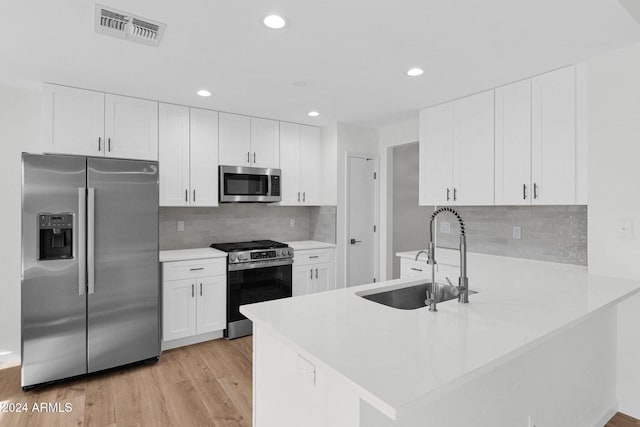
(395, 359)
(302, 245)
(191, 254)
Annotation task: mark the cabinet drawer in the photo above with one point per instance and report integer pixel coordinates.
(317, 256)
(410, 267)
(178, 270)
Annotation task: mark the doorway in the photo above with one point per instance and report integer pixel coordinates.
(362, 219)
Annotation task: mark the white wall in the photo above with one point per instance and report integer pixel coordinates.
(614, 197)
(350, 139)
(398, 134)
(19, 131)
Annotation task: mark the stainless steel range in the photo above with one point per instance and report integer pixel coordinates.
(257, 271)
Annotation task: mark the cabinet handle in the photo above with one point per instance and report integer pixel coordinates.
(186, 195)
(524, 191)
(193, 292)
(311, 274)
(99, 144)
(455, 194)
(447, 194)
(304, 196)
(298, 196)
(248, 158)
(254, 157)
(194, 195)
(196, 269)
(416, 269)
(109, 144)
(535, 190)
(314, 256)
(316, 273)
(200, 289)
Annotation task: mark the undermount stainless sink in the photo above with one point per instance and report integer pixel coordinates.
(412, 297)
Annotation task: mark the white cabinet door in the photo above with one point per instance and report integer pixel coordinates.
(290, 163)
(173, 154)
(554, 137)
(265, 143)
(234, 140)
(513, 144)
(178, 309)
(131, 128)
(302, 280)
(212, 304)
(204, 158)
(436, 155)
(323, 277)
(311, 173)
(473, 152)
(73, 121)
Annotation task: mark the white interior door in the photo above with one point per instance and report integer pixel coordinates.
(361, 215)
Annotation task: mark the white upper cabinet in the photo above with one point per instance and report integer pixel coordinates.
(290, 162)
(88, 123)
(300, 153)
(265, 143)
(188, 152)
(513, 144)
(249, 141)
(235, 140)
(173, 155)
(473, 150)
(311, 166)
(131, 127)
(456, 152)
(73, 121)
(553, 149)
(436, 155)
(204, 157)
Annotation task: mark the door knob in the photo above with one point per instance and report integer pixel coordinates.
(354, 241)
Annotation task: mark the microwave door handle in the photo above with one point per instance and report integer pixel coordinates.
(268, 185)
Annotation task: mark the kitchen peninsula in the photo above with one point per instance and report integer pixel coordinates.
(535, 346)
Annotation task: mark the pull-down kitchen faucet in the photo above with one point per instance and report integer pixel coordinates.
(463, 281)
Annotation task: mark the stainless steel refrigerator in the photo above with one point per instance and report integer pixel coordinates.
(90, 270)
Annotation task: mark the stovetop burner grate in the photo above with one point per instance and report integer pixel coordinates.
(248, 246)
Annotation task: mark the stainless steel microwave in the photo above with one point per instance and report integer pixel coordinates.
(244, 184)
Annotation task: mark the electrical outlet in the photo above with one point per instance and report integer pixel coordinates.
(532, 421)
(517, 232)
(180, 225)
(445, 227)
(292, 223)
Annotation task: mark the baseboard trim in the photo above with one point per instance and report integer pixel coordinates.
(607, 416)
(196, 339)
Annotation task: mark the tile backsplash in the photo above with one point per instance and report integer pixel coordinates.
(548, 233)
(239, 222)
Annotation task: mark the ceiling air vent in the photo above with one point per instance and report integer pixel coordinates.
(126, 26)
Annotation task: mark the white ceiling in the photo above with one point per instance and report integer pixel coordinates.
(352, 53)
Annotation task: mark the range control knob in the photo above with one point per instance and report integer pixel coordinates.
(233, 257)
(290, 252)
(242, 257)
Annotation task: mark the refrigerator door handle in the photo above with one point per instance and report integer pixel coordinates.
(91, 225)
(82, 240)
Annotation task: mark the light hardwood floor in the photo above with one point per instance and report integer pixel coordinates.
(206, 384)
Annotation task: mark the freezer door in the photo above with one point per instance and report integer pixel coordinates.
(122, 262)
(53, 287)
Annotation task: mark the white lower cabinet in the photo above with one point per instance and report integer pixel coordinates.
(313, 271)
(194, 299)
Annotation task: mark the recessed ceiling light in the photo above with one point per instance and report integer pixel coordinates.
(313, 114)
(415, 72)
(203, 92)
(275, 22)
(300, 83)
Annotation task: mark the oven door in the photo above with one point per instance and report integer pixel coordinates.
(251, 283)
(244, 184)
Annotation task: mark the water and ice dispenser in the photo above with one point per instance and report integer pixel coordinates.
(55, 236)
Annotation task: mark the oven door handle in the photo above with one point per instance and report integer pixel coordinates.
(259, 264)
